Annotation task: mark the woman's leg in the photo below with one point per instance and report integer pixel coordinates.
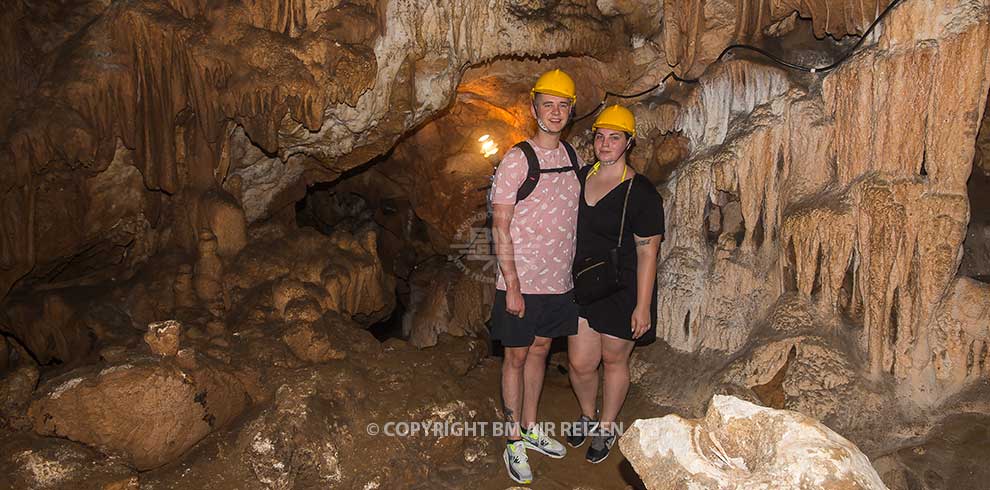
(615, 355)
(584, 353)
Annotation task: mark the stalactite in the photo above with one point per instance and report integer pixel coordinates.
(690, 27)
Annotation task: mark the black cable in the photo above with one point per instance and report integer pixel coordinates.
(629, 96)
(771, 57)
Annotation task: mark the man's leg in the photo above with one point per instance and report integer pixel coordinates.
(536, 366)
(584, 353)
(513, 366)
(516, 461)
(535, 437)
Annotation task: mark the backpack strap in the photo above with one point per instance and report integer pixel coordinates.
(571, 154)
(532, 174)
(534, 171)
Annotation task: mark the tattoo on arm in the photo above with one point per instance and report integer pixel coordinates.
(644, 241)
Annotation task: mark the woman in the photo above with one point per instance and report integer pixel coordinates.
(609, 328)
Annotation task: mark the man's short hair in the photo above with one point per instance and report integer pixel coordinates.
(536, 98)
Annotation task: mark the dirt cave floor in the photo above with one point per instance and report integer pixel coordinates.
(557, 405)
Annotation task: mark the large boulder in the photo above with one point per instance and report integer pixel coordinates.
(147, 410)
(294, 443)
(742, 446)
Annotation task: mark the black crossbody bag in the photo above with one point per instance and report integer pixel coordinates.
(599, 276)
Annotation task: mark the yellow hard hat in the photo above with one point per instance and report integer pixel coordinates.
(555, 82)
(618, 118)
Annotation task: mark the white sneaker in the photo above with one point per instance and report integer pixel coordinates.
(538, 441)
(517, 463)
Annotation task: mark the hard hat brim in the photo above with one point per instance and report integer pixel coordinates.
(615, 127)
(554, 93)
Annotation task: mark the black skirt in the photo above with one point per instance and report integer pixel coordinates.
(612, 315)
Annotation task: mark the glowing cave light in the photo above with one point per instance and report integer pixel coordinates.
(488, 145)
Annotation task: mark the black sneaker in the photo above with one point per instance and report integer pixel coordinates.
(580, 430)
(601, 443)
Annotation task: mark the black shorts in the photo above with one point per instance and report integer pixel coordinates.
(547, 315)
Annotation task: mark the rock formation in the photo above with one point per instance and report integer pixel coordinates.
(323, 88)
(328, 338)
(16, 389)
(163, 338)
(739, 445)
(208, 274)
(48, 326)
(57, 463)
(447, 300)
(172, 404)
(808, 185)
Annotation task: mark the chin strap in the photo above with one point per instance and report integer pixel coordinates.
(543, 127)
(598, 165)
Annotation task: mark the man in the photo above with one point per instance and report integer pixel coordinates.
(535, 204)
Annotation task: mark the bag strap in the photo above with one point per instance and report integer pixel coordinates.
(532, 174)
(571, 155)
(622, 223)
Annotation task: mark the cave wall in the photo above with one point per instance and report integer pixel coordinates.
(205, 98)
(252, 101)
(217, 116)
(849, 189)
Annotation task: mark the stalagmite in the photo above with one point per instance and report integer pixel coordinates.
(207, 279)
(185, 293)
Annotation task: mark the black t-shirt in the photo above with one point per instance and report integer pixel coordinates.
(598, 225)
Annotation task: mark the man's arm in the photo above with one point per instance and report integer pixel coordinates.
(504, 252)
